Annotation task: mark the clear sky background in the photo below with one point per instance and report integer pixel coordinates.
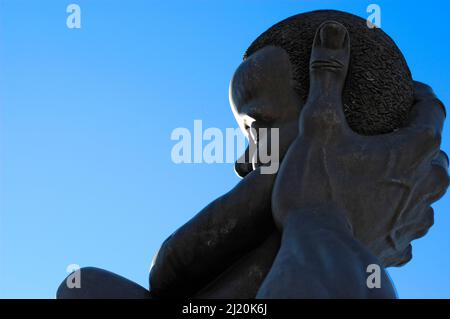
(86, 115)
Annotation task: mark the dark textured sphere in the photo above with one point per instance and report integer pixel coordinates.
(378, 93)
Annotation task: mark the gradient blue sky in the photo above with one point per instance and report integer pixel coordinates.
(86, 175)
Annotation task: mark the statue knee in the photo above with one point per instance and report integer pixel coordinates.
(96, 283)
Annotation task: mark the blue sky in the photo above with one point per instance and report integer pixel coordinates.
(86, 115)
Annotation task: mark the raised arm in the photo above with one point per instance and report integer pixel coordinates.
(345, 201)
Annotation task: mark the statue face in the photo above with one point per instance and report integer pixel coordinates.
(262, 96)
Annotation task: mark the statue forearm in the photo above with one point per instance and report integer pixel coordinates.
(213, 239)
(320, 258)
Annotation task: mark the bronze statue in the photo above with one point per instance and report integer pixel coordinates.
(357, 176)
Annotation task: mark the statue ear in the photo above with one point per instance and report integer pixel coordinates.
(243, 166)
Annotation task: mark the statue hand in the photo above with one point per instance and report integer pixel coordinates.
(385, 184)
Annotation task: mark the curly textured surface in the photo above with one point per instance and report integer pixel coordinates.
(378, 93)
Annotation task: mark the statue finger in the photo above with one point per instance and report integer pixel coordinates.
(422, 134)
(423, 92)
(330, 56)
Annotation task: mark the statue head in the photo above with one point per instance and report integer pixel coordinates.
(272, 83)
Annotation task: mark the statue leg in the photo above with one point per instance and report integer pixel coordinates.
(101, 284)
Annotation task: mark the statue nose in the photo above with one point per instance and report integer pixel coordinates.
(243, 169)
